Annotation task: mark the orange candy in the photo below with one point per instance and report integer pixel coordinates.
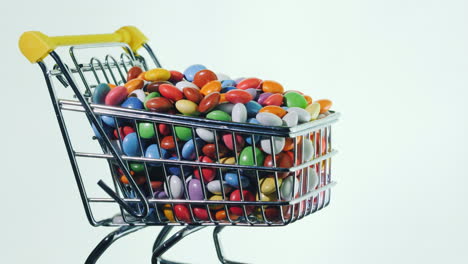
(167, 210)
(223, 98)
(308, 99)
(271, 87)
(273, 109)
(221, 215)
(289, 144)
(142, 76)
(325, 105)
(134, 84)
(210, 87)
(111, 85)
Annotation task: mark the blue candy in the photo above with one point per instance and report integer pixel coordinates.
(253, 108)
(175, 170)
(130, 145)
(227, 89)
(108, 131)
(108, 120)
(188, 150)
(249, 138)
(100, 93)
(227, 83)
(152, 152)
(132, 102)
(231, 179)
(190, 72)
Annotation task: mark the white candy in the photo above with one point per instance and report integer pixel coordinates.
(308, 150)
(176, 186)
(182, 84)
(278, 142)
(239, 113)
(291, 119)
(215, 187)
(303, 115)
(225, 107)
(138, 93)
(313, 179)
(222, 77)
(286, 188)
(269, 119)
(205, 134)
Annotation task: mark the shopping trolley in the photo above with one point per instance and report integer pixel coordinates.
(130, 205)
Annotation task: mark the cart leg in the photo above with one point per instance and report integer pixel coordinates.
(219, 250)
(107, 241)
(174, 239)
(162, 236)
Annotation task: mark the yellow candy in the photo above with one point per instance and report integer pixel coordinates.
(157, 74)
(167, 209)
(267, 185)
(272, 197)
(314, 110)
(187, 107)
(216, 198)
(228, 160)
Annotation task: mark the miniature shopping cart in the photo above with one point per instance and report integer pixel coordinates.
(131, 205)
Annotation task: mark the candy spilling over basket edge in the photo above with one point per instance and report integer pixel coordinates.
(232, 151)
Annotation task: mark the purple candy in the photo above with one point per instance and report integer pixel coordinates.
(263, 97)
(195, 190)
(160, 195)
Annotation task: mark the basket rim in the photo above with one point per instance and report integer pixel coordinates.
(197, 122)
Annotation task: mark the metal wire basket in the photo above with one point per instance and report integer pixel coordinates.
(130, 204)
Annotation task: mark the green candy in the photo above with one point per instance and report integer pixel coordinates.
(146, 130)
(149, 96)
(293, 99)
(246, 157)
(218, 115)
(183, 133)
(137, 167)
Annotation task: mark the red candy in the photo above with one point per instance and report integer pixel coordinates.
(176, 76)
(123, 132)
(274, 99)
(236, 196)
(171, 92)
(238, 96)
(249, 83)
(209, 102)
(208, 173)
(201, 213)
(203, 77)
(116, 96)
(227, 139)
(192, 94)
(182, 213)
(164, 129)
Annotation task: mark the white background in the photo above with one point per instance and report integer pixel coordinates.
(396, 70)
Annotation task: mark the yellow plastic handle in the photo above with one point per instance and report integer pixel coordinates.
(35, 45)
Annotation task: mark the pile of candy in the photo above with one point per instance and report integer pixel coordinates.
(200, 92)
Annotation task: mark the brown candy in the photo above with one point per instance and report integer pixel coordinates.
(210, 150)
(209, 102)
(203, 77)
(159, 104)
(168, 142)
(133, 73)
(154, 86)
(283, 160)
(192, 94)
